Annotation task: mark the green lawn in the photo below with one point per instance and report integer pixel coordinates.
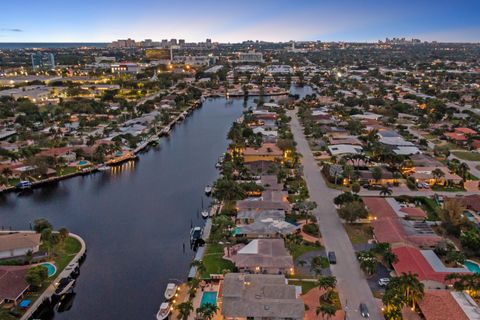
(213, 261)
(466, 155)
(359, 233)
(300, 249)
(72, 247)
(306, 285)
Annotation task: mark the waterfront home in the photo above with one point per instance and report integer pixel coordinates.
(65, 153)
(18, 244)
(260, 296)
(250, 216)
(266, 152)
(12, 283)
(342, 149)
(260, 204)
(268, 256)
(266, 228)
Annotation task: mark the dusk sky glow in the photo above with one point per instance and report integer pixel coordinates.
(228, 21)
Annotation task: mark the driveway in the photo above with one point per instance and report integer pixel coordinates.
(351, 282)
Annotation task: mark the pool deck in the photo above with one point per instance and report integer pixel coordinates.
(198, 300)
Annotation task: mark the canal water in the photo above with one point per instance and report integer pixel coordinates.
(136, 218)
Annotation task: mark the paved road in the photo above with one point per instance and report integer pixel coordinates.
(352, 284)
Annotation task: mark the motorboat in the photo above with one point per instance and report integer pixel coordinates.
(208, 190)
(171, 291)
(196, 235)
(164, 311)
(103, 168)
(25, 184)
(64, 285)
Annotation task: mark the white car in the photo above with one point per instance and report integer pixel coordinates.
(383, 282)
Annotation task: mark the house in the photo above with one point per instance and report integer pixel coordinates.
(268, 256)
(266, 228)
(425, 264)
(260, 296)
(65, 153)
(12, 283)
(259, 204)
(250, 216)
(366, 176)
(266, 152)
(457, 305)
(18, 244)
(425, 174)
(341, 149)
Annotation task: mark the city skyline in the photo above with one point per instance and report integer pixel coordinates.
(278, 21)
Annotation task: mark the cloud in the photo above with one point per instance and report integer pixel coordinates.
(10, 30)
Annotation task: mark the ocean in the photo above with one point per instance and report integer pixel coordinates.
(50, 45)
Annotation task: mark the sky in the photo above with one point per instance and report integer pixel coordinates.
(239, 20)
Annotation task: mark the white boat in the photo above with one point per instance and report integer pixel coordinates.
(208, 190)
(103, 168)
(205, 214)
(170, 291)
(164, 311)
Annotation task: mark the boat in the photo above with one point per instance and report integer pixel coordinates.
(196, 235)
(205, 214)
(208, 190)
(171, 291)
(164, 311)
(64, 286)
(103, 168)
(25, 184)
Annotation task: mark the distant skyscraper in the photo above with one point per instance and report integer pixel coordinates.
(181, 42)
(173, 42)
(43, 60)
(209, 41)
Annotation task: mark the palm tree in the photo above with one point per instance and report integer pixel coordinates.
(386, 191)
(184, 310)
(367, 261)
(463, 170)
(465, 282)
(207, 311)
(412, 288)
(199, 265)
(389, 258)
(327, 310)
(327, 282)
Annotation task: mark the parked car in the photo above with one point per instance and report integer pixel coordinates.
(382, 282)
(419, 185)
(332, 258)
(364, 310)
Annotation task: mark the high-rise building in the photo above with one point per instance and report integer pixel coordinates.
(181, 42)
(250, 57)
(43, 60)
(173, 42)
(128, 43)
(209, 41)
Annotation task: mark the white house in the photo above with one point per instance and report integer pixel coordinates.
(18, 244)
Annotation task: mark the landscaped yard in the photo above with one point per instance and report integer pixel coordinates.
(213, 261)
(359, 233)
(466, 155)
(306, 285)
(299, 249)
(71, 248)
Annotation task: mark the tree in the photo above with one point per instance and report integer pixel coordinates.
(207, 311)
(345, 198)
(468, 282)
(367, 261)
(328, 282)
(40, 224)
(389, 258)
(199, 265)
(386, 191)
(184, 309)
(352, 211)
(36, 276)
(327, 310)
(377, 173)
(437, 174)
(226, 189)
(63, 233)
(452, 215)
(355, 188)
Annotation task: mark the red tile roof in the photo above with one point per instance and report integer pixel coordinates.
(412, 260)
(379, 207)
(414, 212)
(465, 130)
(12, 282)
(455, 136)
(437, 304)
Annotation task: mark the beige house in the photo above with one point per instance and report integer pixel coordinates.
(18, 244)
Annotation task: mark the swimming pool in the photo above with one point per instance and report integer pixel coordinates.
(51, 268)
(82, 162)
(472, 266)
(209, 297)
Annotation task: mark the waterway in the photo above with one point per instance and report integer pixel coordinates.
(136, 218)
